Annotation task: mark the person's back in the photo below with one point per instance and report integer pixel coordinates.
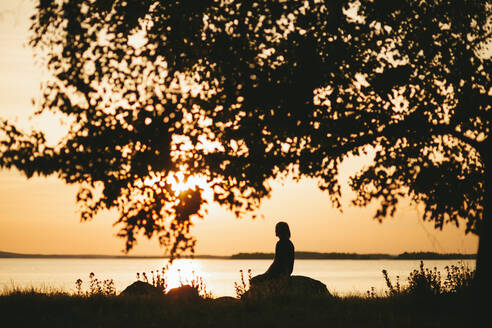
(283, 262)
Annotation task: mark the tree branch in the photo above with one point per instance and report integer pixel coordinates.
(402, 129)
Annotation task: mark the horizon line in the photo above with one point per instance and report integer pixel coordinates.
(4, 254)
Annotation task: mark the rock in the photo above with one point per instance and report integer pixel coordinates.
(185, 292)
(308, 285)
(226, 300)
(141, 288)
(296, 286)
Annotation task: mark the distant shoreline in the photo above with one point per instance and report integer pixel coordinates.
(265, 256)
(356, 256)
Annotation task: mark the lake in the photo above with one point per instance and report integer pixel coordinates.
(342, 277)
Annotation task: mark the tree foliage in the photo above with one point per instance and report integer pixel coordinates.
(240, 92)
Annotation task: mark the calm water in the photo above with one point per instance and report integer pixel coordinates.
(341, 276)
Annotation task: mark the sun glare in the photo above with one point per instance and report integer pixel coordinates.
(183, 272)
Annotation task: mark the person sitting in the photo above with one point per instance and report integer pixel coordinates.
(283, 262)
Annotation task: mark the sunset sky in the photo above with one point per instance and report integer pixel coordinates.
(40, 215)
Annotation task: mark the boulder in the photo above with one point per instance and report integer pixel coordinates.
(226, 300)
(296, 286)
(140, 288)
(185, 292)
(308, 285)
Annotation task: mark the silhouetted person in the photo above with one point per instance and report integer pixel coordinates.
(283, 262)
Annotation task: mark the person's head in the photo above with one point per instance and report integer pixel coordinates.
(282, 230)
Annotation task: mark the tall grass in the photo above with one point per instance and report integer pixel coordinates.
(243, 285)
(96, 287)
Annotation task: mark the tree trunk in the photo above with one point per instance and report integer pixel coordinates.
(483, 273)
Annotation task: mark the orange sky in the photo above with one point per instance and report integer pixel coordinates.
(40, 215)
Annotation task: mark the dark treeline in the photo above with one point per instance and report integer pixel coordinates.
(356, 256)
(431, 255)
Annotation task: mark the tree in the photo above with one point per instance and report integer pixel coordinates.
(241, 92)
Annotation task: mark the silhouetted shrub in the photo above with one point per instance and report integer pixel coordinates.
(197, 283)
(458, 278)
(424, 282)
(96, 287)
(158, 279)
(393, 290)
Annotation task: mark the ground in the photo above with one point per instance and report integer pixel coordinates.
(41, 310)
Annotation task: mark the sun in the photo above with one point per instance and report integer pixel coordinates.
(180, 184)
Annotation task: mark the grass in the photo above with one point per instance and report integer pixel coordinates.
(408, 305)
(31, 309)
